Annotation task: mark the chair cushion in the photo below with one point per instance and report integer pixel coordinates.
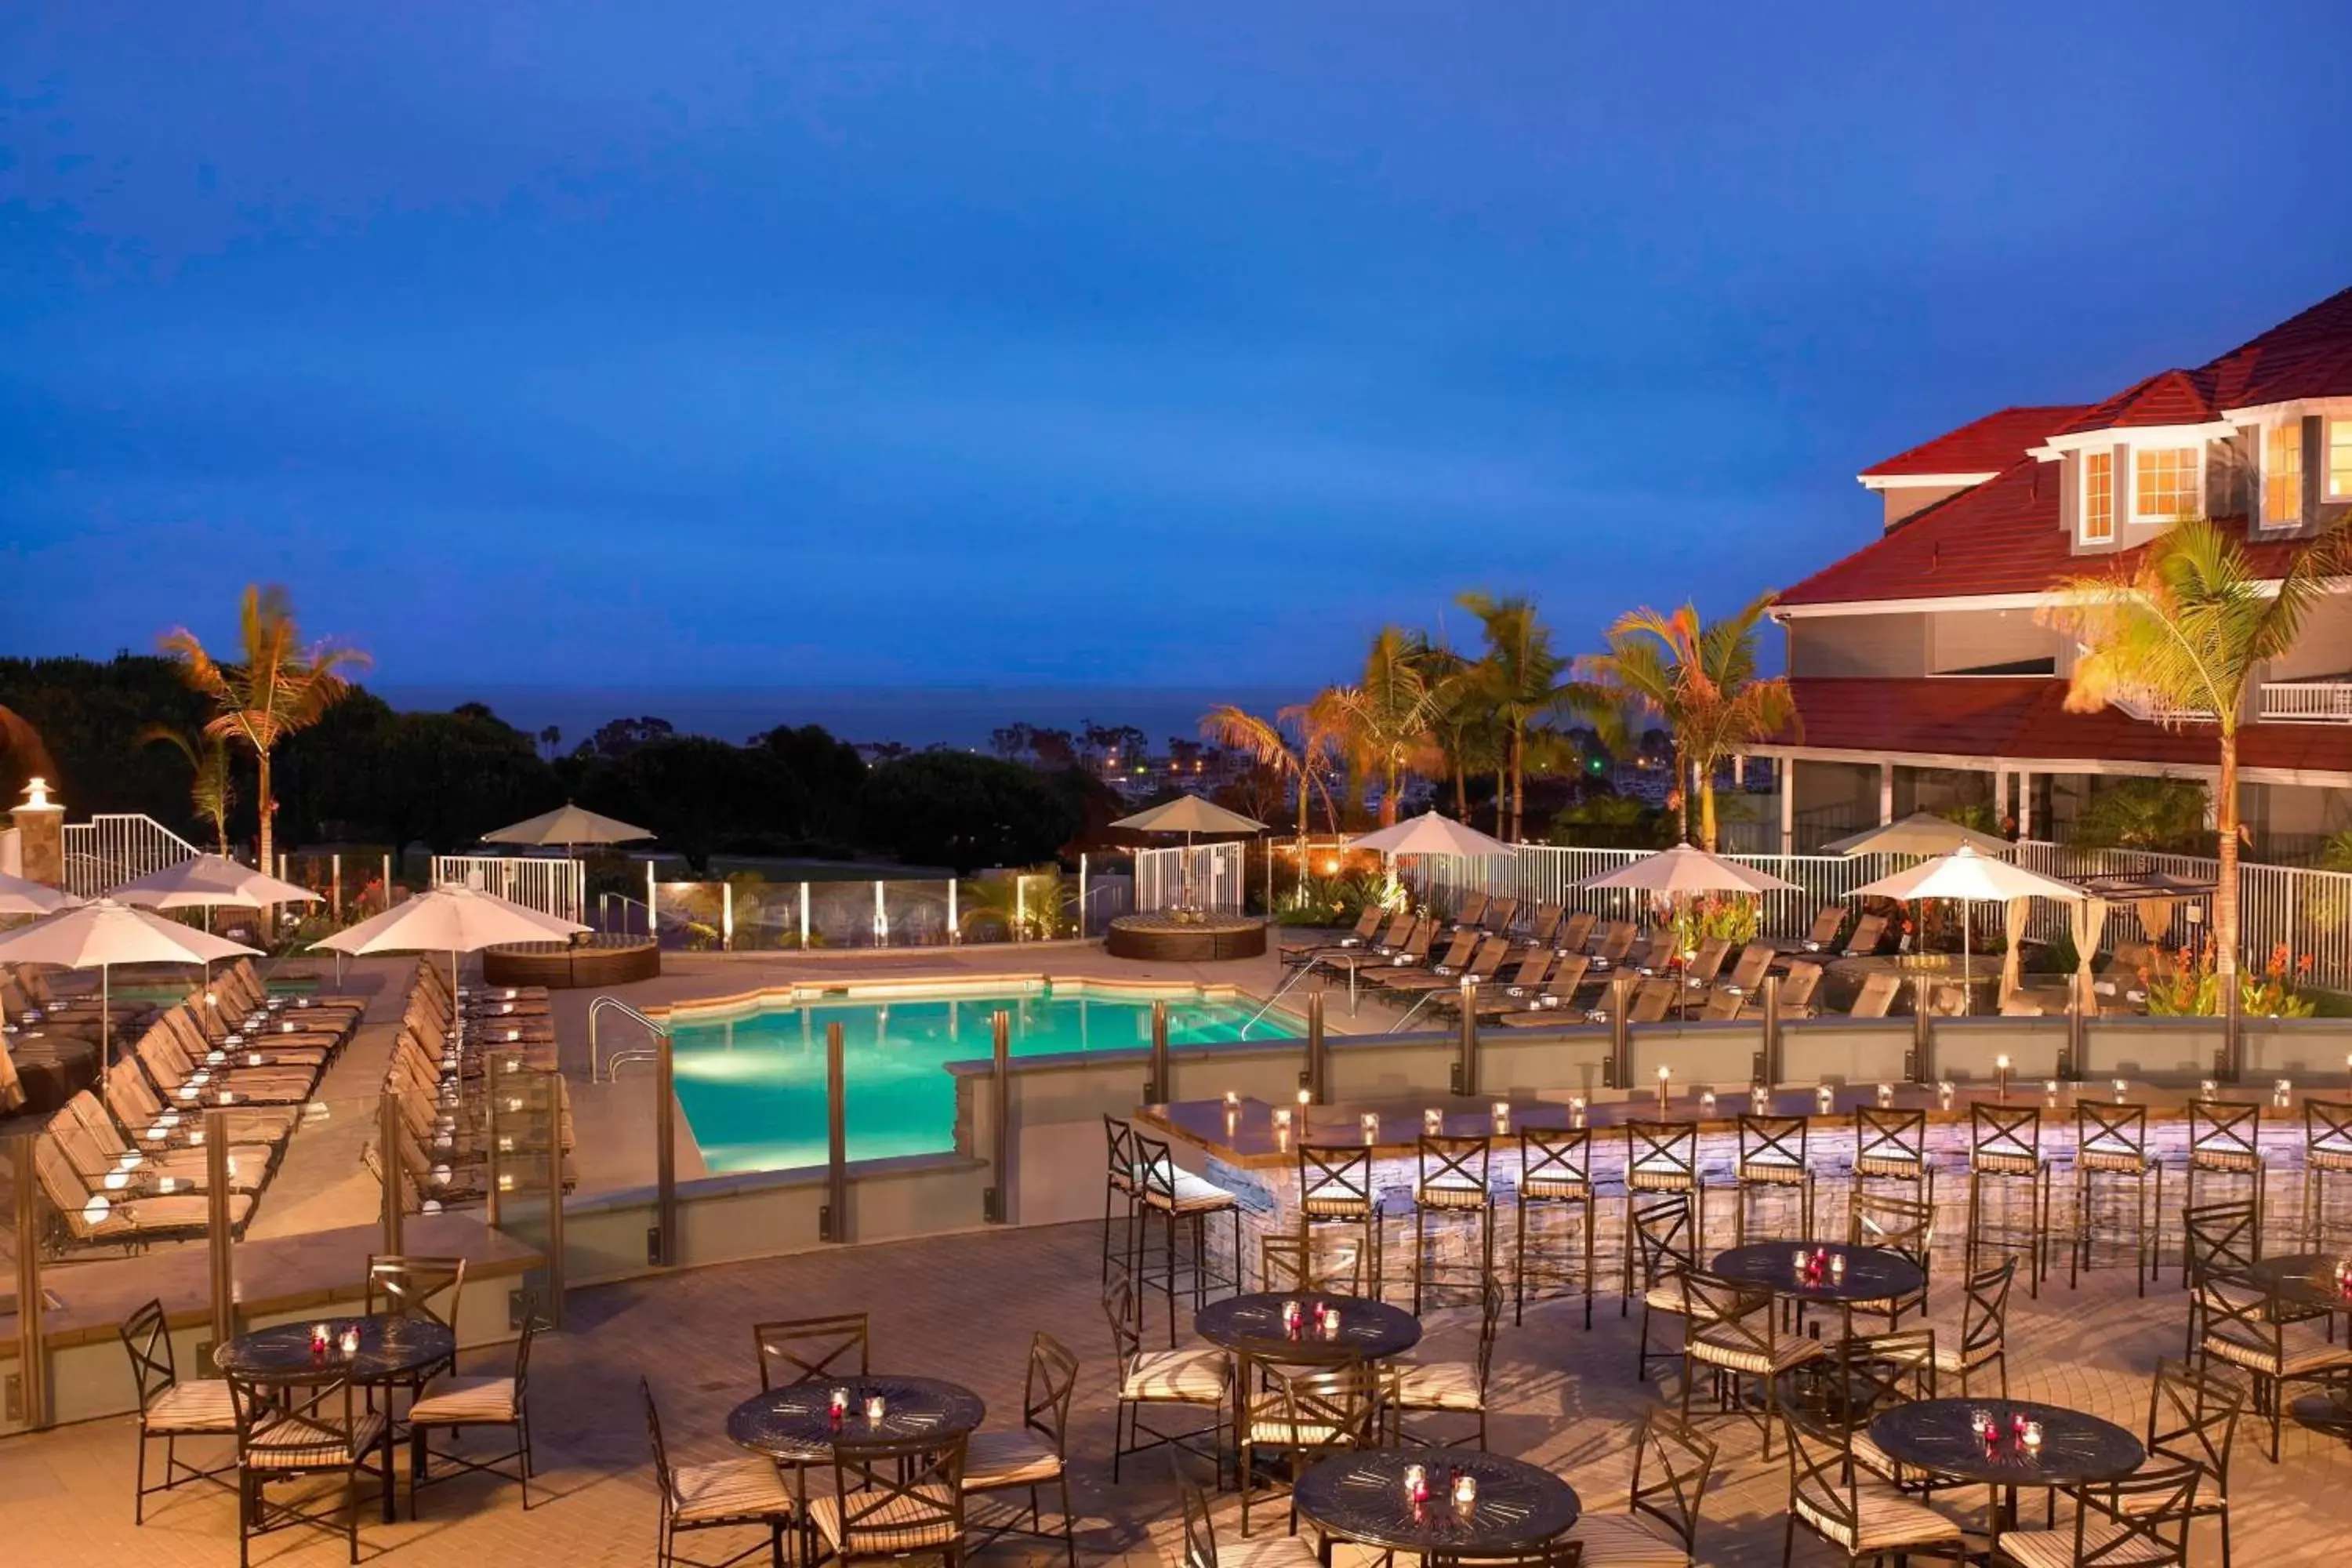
(1266, 1550)
(908, 1523)
(1191, 1194)
(1623, 1541)
(2207, 1494)
(2055, 1548)
(1887, 1518)
(201, 1404)
(2002, 1164)
(1282, 1432)
(1451, 1193)
(1871, 1457)
(1720, 1347)
(456, 1400)
(2120, 1159)
(292, 1443)
(1194, 1376)
(1555, 1188)
(1887, 1165)
(2214, 1159)
(1336, 1205)
(1772, 1174)
(2306, 1351)
(1660, 1179)
(1667, 1298)
(731, 1488)
(1438, 1385)
(993, 1459)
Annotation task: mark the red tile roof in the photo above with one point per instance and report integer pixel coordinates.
(2168, 397)
(2309, 355)
(1983, 445)
(2024, 718)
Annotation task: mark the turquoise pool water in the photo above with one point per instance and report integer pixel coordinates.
(752, 1084)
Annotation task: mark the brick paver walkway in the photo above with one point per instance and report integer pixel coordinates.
(964, 1307)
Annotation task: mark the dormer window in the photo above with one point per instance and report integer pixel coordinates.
(2282, 475)
(2164, 484)
(2339, 459)
(2098, 497)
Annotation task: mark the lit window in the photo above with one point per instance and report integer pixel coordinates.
(2164, 483)
(2283, 473)
(2098, 497)
(2339, 459)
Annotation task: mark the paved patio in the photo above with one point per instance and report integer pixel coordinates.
(964, 1307)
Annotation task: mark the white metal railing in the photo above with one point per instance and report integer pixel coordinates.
(552, 887)
(2307, 912)
(1217, 878)
(2307, 702)
(108, 851)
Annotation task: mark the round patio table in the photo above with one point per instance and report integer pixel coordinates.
(1361, 1498)
(1872, 1273)
(2308, 1280)
(1375, 1330)
(794, 1424)
(1937, 1434)
(393, 1348)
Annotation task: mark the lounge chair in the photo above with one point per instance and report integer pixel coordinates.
(1828, 920)
(1473, 913)
(1549, 1004)
(1868, 933)
(1706, 962)
(92, 1217)
(1616, 944)
(1797, 989)
(1876, 997)
(1362, 967)
(1544, 932)
(1653, 1000)
(181, 1085)
(1515, 982)
(1368, 922)
(158, 1127)
(1400, 931)
(183, 1038)
(1480, 966)
(1575, 932)
(1500, 913)
(100, 1147)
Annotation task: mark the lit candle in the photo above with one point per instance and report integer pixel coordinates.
(1576, 1109)
(1665, 1083)
(1944, 1095)
(1305, 1100)
(1706, 1102)
(1290, 1317)
(1466, 1489)
(2050, 1087)
(349, 1342)
(1759, 1098)
(1370, 1123)
(1502, 1116)
(1886, 1095)
(2120, 1091)
(2032, 1436)
(2205, 1088)
(1416, 1483)
(1330, 1323)
(874, 1408)
(1282, 1119)
(1837, 1265)
(1433, 1121)
(2001, 1076)
(2284, 1092)
(837, 1403)
(1825, 1097)
(1233, 1100)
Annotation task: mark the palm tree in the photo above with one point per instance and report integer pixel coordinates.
(2184, 633)
(280, 686)
(1298, 743)
(210, 791)
(1519, 679)
(1384, 721)
(1700, 679)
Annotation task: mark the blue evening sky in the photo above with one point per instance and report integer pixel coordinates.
(807, 343)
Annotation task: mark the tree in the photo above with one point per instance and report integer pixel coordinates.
(1518, 679)
(210, 791)
(2184, 633)
(281, 686)
(1468, 737)
(1384, 721)
(829, 774)
(701, 794)
(1701, 680)
(1297, 744)
(956, 809)
(619, 737)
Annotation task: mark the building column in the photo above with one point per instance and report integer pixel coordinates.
(1786, 770)
(1739, 769)
(1886, 793)
(2024, 803)
(41, 835)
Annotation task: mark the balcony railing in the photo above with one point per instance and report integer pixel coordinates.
(2307, 702)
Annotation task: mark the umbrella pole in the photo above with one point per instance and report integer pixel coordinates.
(1967, 971)
(106, 1014)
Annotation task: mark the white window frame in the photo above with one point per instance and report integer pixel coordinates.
(2196, 482)
(2327, 428)
(2083, 502)
(2263, 523)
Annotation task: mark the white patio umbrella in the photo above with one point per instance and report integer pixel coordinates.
(1431, 834)
(102, 933)
(1685, 870)
(1188, 814)
(20, 896)
(451, 921)
(1921, 833)
(1969, 878)
(208, 882)
(567, 825)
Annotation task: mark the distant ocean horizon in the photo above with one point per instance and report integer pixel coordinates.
(915, 716)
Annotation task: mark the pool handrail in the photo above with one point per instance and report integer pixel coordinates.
(603, 1070)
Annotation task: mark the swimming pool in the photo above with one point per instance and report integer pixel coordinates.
(750, 1077)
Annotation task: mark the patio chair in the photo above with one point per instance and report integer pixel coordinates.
(1555, 1174)
(1772, 1159)
(1335, 1189)
(2005, 1150)
(1728, 1328)
(2249, 1327)
(1446, 1387)
(2111, 1148)
(895, 1498)
(1201, 1536)
(2142, 1520)
(1543, 930)
(1183, 1203)
(88, 1216)
(1500, 913)
(1616, 944)
(2225, 1140)
(171, 1408)
(1656, 998)
(1904, 1225)
(1036, 1456)
(249, 1166)
(2326, 1153)
(1661, 1234)
(1287, 1262)
(285, 1432)
(159, 1127)
(1411, 954)
(454, 1403)
(811, 1350)
(1659, 1528)
(1471, 956)
(411, 1285)
(2192, 1419)
(1300, 1403)
(1471, 915)
(1798, 988)
(1706, 962)
(1828, 920)
(1746, 976)
(1195, 1377)
(730, 1494)
(1575, 932)
(1662, 1157)
(1876, 1373)
(1868, 1520)
(1454, 1180)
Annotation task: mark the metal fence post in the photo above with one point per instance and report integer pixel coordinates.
(663, 1253)
(1621, 1041)
(726, 917)
(653, 920)
(832, 1222)
(490, 1108)
(555, 1201)
(1771, 1029)
(995, 1203)
(954, 935)
(1159, 1091)
(32, 1344)
(1923, 1033)
(387, 1136)
(1319, 1053)
(804, 916)
(217, 1196)
(2233, 1044)
(1082, 895)
(2077, 1031)
(1465, 1056)
(335, 877)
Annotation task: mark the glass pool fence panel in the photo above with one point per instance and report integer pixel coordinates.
(992, 910)
(841, 914)
(915, 913)
(767, 915)
(527, 1150)
(691, 915)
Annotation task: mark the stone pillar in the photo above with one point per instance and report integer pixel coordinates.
(1886, 793)
(41, 835)
(1786, 770)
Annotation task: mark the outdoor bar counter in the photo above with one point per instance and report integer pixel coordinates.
(1242, 1148)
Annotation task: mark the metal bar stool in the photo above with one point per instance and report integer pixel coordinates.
(1453, 1180)
(1772, 1159)
(1662, 1158)
(1335, 1188)
(1181, 1199)
(1891, 1146)
(2225, 1140)
(1555, 1173)
(1118, 1186)
(2326, 1152)
(2005, 1146)
(2111, 1140)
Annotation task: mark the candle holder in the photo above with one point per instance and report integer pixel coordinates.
(1706, 1102)
(2050, 1091)
(348, 1341)
(1465, 1491)
(1232, 1101)
(1665, 1086)
(2031, 1437)
(1576, 1110)
(1943, 1096)
(2120, 1091)
(1371, 1123)
(1416, 1483)
(873, 1410)
(1432, 1121)
(1290, 1315)
(1502, 1116)
(1330, 1323)
(1886, 1095)
(319, 1334)
(1826, 1098)
(1759, 1098)
(2283, 1093)
(2000, 1078)
(836, 1405)
(1282, 1119)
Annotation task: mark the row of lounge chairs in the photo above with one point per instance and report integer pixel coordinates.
(129, 1167)
(444, 1077)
